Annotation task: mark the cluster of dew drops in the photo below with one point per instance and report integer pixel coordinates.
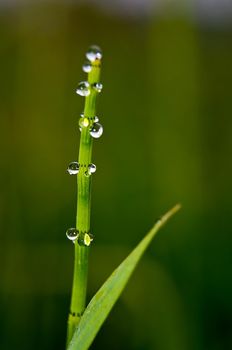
(83, 239)
(96, 130)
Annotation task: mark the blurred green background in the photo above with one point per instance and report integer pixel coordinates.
(166, 110)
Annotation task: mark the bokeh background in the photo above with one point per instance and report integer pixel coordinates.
(166, 110)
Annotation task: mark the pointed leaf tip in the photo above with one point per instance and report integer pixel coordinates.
(103, 301)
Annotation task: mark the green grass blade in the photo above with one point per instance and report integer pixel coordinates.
(103, 301)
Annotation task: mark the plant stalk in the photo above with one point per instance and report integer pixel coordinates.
(80, 274)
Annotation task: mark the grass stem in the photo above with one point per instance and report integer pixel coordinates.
(84, 180)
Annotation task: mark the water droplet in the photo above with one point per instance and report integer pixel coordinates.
(73, 168)
(83, 123)
(83, 88)
(98, 87)
(88, 238)
(85, 239)
(96, 119)
(94, 53)
(87, 67)
(82, 115)
(91, 169)
(72, 234)
(96, 130)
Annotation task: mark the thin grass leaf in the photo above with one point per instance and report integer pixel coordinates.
(103, 301)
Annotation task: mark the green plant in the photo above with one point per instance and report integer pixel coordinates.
(83, 324)
(84, 168)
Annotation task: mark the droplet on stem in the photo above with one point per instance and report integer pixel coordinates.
(91, 169)
(98, 87)
(73, 168)
(83, 88)
(85, 239)
(87, 67)
(72, 234)
(94, 53)
(83, 123)
(96, 131)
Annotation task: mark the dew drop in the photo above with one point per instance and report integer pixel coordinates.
(85, 239)
(91, 169)
(94, 53)
(83, 123)
(73, 168)
(72, 234)
(82, 115)
(98, 87)
(88, 238)
(95, 119)
(83, 88)
(96, 130)
(87, 67)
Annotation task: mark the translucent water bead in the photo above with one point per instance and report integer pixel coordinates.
(96, 131)
(83, 123)
(87, 67)
(85, 239)
(83, 88)
(72, 234)
(94, 53)
(98, 87)
(91, 169)
(73, 168)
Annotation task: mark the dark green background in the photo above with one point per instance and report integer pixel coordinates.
(166, 110)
